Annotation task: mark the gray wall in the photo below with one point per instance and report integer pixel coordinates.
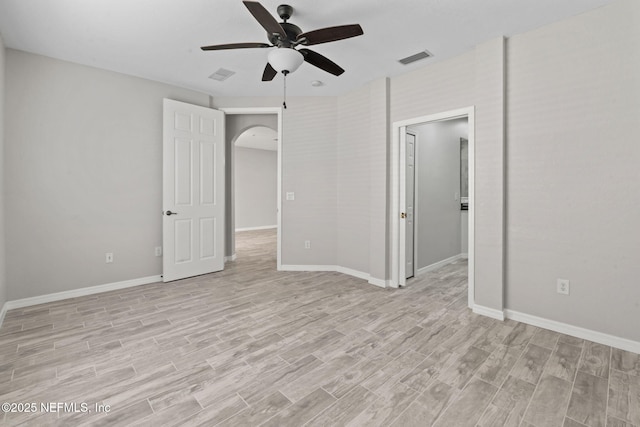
(572, 170)
(255, 187)
(235, 124)
(362, 135)
(334, 158)
(83, 171)
(3, 271)
(559, 200)
(309, 170)
(471, 79)
(438, 215)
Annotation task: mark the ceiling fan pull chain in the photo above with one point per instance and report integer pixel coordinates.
(284, 100)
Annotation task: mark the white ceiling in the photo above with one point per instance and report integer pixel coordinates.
(258, 137)
(161, 39)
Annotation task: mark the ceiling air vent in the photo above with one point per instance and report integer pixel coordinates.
(222, 74)
(417, 57)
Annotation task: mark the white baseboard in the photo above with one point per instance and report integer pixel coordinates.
(439, 264)
(354, 273)
(290, 267)
(382, 283)
(339, 269)
(3, 312)
(489, 312)
(42, 299)
(230, 258)
(263, 227)
(564, 328)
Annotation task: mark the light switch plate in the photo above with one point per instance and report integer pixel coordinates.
(291, 195)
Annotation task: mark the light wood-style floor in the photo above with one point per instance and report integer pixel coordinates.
(252, 346)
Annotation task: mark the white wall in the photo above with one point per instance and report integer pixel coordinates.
(438, 215)
(83, 174)
(572, 170)
(255, 187)
(3, 271)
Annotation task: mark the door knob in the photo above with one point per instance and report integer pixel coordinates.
(169, 213)
(403, 215)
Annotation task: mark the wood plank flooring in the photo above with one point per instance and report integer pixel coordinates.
(251, 346)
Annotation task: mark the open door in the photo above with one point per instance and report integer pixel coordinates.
(402, 264)
(410, 176)
(192, 191)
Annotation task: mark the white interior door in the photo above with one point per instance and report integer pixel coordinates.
(409, 204)
(193, 190)
(402, 252)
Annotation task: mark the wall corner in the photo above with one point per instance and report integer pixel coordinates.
(490, 174)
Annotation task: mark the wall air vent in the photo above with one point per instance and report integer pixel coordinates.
(417, 57)
(222, 74)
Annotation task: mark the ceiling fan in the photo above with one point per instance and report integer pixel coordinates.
(286, 37)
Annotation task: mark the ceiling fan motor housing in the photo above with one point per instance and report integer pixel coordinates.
(290, 30)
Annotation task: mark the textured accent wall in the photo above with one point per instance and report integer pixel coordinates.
(362, 147)
(489, 173)
(309, 169)
(450, 85)
(354, 179)
(378, 150)
(83, 171)
(443, 86)
(573, 170)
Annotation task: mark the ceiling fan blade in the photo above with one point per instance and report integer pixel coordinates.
(265, 19)
(235, 46)
(269, 73)
(330, 34)
(321, 61)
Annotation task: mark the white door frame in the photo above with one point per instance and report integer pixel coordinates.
(399, 129)
(278, 111)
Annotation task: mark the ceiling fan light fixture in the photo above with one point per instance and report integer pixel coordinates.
(285, 59)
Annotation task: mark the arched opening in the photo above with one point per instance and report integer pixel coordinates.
(255, 177)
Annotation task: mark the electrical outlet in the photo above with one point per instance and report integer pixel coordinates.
(307, 244)
(563, 286)
(108, 257)
(158, 250)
